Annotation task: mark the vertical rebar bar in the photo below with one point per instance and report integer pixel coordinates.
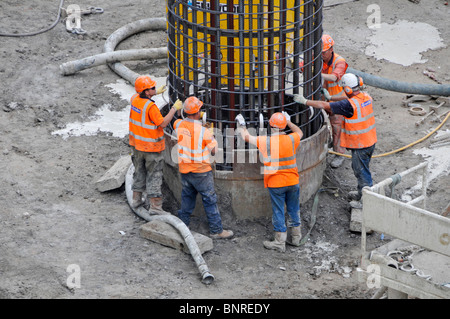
(243, 56)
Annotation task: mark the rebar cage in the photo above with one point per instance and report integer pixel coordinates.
(248, 57)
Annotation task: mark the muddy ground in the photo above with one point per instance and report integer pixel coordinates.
(52, 216)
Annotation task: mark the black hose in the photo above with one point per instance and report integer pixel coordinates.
(403, 87)
(37, 32)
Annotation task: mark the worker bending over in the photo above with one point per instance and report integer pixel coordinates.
(280, 176)
(146, 137)
(358, 130)
(195, 145)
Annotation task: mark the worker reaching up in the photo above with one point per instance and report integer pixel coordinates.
(280, 176)
(358, 132)
(196, 144)
(334, 67)
(146, 137)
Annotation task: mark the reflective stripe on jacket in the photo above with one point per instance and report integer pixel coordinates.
(144, 135)
(333, 87)
(279, 158)
(194, 144)
(359, 130)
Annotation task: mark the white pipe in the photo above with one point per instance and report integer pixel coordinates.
(207, 277)
(73, 67)
(124, 32)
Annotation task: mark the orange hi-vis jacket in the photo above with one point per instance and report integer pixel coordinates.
(359, 130)
(145, 133)
(279, 158)
(333, 87)
(194, 145)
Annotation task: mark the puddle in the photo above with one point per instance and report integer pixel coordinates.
(438, 164)
(403, 42)
(106, 120)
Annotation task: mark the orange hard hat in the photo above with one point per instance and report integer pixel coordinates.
(327, 42)
(278, 120)
(192, 105)
(143, 82)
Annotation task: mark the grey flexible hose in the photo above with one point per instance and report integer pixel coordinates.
(124, 32)
(207, 277)
(72, 67)
(37, 32)
(403, 87)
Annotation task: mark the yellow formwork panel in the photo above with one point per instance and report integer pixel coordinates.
(254, 20)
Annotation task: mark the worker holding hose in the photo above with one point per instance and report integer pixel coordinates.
(146, 137)
(196, 144)
(280, 176)
(358, 130)
(334, 67)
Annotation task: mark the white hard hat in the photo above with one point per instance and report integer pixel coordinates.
(350, 80)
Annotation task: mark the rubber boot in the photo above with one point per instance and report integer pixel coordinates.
(279, 242)
(296, 236)
(137, 200)
(156, 206)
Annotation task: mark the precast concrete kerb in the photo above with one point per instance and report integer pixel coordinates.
(207, 277)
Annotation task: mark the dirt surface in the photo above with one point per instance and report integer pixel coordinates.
(52, 216)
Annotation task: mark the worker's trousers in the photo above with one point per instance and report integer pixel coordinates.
(336, 128)
(148, 172)
(203, 183)
(360, 165)
(279, 196)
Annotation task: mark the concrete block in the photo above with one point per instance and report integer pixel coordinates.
(115, 176)
(356, 221)
(167, 235)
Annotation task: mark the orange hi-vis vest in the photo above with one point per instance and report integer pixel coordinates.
(194, 145)
(145, 135)
(333, 87)
(359, 130)
(279, 158)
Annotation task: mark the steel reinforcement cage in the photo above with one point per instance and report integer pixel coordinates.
(248, 57)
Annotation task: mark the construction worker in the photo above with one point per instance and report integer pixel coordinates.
(196, 144)
(334, 67)
(358, 130)
(280, 176)
(146, 137)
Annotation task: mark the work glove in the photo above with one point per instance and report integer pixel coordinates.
(161, 89)
(300, 99)
(326, 94)
(178, 105)
(240, 119)
(286, 115)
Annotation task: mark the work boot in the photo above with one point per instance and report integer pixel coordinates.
(354, 195)
(296, 236)
(356, 204)
(156, 206)
(279, 242)
(337, 161)
(137, 200)
(225, 234)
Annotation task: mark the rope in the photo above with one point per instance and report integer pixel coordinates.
(37, 32)
(401, 148)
